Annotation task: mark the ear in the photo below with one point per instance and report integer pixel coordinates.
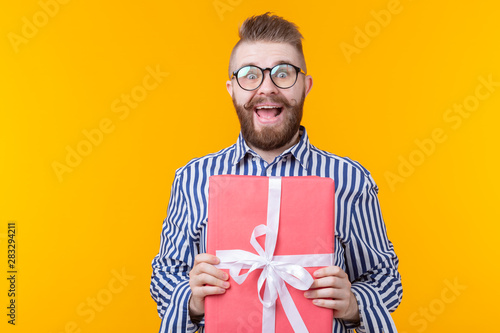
(308, 83)
(229, 87)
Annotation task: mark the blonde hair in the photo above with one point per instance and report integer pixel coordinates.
(269, 28)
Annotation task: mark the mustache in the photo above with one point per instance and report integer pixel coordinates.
(278, 100)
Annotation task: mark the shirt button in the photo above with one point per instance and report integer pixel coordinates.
(269, 172)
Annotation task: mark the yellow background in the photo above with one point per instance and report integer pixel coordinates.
(105, 216)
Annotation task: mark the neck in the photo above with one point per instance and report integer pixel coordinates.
(270, 155)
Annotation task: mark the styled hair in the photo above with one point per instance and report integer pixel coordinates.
(269, 28)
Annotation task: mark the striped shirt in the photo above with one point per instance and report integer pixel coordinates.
(362, 248)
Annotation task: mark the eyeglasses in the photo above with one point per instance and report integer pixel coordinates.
(251, 77)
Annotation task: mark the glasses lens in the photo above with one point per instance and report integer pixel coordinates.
(249, 77)
(284, 75)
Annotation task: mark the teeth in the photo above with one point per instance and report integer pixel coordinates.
(267, 107)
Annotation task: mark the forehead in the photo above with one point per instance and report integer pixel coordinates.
(265, 54)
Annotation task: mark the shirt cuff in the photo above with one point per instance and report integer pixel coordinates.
(373, 314)
(176, 318)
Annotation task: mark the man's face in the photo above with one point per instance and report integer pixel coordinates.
(269, 116)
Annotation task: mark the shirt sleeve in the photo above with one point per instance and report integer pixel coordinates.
(372, 264)
(170, 278)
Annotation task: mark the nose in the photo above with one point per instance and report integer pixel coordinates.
(267, 87)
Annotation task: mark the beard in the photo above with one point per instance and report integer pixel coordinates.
(270, 137)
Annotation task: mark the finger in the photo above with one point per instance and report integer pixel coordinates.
(338, 294)
(205, 268)
(329, 271)
(330, 281)
(206, 279)
(330, 304)
(207, 258)
(203, 291)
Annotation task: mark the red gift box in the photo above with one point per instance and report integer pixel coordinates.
(296, 215)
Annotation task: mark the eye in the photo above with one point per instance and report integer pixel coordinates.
(251, 76)
(282, 75)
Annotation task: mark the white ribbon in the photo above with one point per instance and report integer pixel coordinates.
(275, 269)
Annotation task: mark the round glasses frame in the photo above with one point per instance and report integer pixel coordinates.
(298, 70)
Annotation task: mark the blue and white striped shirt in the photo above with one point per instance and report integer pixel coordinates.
(362, 248)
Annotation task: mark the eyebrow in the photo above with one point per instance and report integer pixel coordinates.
(279, 62)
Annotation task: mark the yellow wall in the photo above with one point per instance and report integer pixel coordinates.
(388, 96)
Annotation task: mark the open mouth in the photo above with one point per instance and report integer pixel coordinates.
(268, 112)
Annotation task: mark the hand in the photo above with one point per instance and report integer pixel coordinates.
(205, 279)
(332, 290)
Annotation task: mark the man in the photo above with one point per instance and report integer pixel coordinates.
(268, 84)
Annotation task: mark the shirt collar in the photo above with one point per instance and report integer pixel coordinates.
(301, 151)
